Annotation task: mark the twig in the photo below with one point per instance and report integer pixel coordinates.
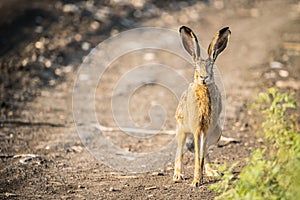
(135, 130)
(25, 123)
(225, 139)
(150, 188)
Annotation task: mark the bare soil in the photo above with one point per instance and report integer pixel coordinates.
(42, 44)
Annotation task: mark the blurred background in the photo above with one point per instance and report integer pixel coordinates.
(42, 44)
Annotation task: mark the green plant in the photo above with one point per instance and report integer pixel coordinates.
(272, 172)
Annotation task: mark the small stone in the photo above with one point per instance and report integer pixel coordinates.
(68, 69)
(283, 73)
(95, 25)
(78, 37)
(138, 4)
(169, 168)
(48, 63)
(52, 82)
(260, 140)
(85, 46)
(58, 72)
(114, 32)
(70, 8)
(38, 29)
(47, 147)
(77, 149)
(39, 45)
(276, 65)
(25, 62)
(158, 174)
(70, 191)
(111, 189)
(81, 187)
(41, 59)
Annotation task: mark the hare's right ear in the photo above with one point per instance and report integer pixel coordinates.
(190, 42)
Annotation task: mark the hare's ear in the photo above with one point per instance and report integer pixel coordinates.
(219, 43)
(190, 42)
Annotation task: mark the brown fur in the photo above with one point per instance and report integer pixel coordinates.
(204, 106)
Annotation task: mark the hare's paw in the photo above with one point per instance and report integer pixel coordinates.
(178, 177)
(211, 172)
(197, 183)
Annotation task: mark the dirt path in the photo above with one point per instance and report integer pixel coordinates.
(44, 126)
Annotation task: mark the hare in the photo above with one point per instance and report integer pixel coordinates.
(200, 105)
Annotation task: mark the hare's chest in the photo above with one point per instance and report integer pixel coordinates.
(199, 106)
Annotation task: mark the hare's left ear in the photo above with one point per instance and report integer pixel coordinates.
(219, 43)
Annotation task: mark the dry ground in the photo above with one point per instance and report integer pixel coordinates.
(43, 44)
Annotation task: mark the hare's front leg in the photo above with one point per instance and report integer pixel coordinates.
(181, 136)
(199, 157)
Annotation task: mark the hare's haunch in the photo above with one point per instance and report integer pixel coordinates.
(199, 109)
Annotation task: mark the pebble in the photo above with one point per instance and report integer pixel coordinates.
(276, 65)
(111, 189)
(41, 59)
(114, 32)
(25, 62)
(48, 63)
(85, 46)
(39, 45)
(78, 37)
(139, 4)
(52, 82)
(58, 71)
(68, 69)
(283, 73)
(77, 149)
(158, 174)
(38, 29)
(95, 25)
(70, 8)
